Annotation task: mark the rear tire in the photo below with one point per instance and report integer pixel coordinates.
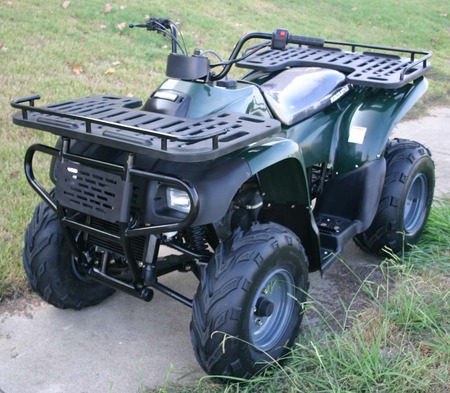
(248, 307)
(405, 200)
(51, 268)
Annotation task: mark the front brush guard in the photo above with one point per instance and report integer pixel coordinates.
(74, 214)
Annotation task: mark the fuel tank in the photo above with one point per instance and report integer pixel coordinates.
(194, 100)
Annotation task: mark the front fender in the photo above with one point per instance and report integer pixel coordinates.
(281, 171)
(218, 181)
(280, 167)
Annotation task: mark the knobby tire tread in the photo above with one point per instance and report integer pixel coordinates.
(226, 277)
(47, 264)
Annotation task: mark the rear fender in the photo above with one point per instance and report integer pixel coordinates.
(364, 131)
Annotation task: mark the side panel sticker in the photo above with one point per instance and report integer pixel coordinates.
(357, 134)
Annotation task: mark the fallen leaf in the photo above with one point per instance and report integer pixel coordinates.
(130, 95)
(77, 70)
(116, 63)
(14, 174)
(122, 25)
(3, 47)
(425, 349)
(110, 71)
(102, 27)
(108, 8)
(9, 2)
(66, 4)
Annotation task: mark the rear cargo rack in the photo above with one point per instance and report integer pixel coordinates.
(113, 121)
(374, 66)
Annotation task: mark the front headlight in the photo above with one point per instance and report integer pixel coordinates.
(178, 200)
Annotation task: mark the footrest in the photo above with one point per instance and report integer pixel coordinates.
(331, 225)
(335, 232)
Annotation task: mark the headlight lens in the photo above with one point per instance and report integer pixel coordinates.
(178, 200)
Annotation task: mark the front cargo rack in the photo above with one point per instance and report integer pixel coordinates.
(371, 66)
(113, 121)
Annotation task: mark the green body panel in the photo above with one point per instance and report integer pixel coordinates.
(288, 182)
(365, 127)
(208, 99)
(279, 165)
(343, 136)
(247, 98)
(315, 136)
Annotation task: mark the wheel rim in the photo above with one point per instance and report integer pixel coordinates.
(279, 290)
(415, 204)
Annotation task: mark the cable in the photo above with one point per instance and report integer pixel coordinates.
(213, 52)
(256, 47)
(163, 30)
(180, 33)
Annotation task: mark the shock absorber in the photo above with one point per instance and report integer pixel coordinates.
(196, 239)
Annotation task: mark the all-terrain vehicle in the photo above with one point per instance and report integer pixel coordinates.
(251, 183)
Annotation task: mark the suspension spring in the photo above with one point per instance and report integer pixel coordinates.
(196, 239)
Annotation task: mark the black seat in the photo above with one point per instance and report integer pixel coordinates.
(298, 93)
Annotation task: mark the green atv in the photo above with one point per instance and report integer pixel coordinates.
(250, 184)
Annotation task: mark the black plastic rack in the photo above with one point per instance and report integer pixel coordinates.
(375, 66)
(113, 121)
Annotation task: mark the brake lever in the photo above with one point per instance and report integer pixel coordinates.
(163, 26)
(153, 24)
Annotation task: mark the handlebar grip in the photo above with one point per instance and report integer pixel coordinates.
(131, 25)
(304, 40)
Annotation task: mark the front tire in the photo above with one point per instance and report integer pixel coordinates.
(248, 307)
(405, 200)
(51, 268)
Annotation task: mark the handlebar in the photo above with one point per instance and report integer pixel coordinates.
(154, 24)
(279, 39)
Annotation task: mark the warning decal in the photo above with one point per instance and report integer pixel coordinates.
(357, 134)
